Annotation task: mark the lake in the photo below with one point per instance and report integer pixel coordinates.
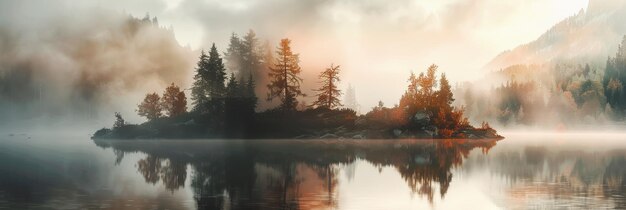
(523, 171)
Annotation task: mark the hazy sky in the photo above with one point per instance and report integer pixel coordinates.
(377, 42)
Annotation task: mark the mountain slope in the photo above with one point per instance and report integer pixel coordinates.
(587, 37)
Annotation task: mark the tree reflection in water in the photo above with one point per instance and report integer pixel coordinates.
(235, 174)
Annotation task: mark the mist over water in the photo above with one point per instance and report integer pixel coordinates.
(67, 66)
(527, 170)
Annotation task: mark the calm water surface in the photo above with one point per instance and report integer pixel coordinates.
(524, 171)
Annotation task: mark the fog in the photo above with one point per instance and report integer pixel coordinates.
(72, 61)
(65, 65)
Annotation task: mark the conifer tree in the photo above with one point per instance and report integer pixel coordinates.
(444, 94)
(284, 77)
(233, 54)
(150, 107)
(119, 121)
(328, 95)
(215, 80)
(208, 89)
(250, 55)
(250, 95)
(350, 101)
(199, 93)
(232, 100)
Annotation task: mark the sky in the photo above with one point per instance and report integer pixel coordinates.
(376, 42)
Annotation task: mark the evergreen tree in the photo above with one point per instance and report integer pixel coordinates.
(614, 77)
(215, 79)
(208, 89)
(199, 93)
(284, 77)
(150, 107)
(233, 103)
(251, 57)
(444, 95)
(250, 95)
(173, 101)
(350, 101)
(119, 121)
(328, 95)
(233, 54)
(233, 89)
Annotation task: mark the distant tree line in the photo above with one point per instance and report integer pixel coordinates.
(558, 94)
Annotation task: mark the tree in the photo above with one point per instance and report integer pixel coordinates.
(284, 77)
(250, 96)
(233, 54)
(208, 89)
(444, 94)
(350, 99)
(216, 77)
(199, 93)
(180, 104)
(150, 107)
(328, 95)
(249, 50)
(614, 77)
(174, 101)
(420, 94)
(119, 121)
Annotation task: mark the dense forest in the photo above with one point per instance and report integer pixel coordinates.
(558, 94)
(227, 88)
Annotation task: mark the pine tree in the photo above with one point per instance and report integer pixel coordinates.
(444, 95)
(172, 102)
(208, 88)
(250, 95)
(250, 55)
(232, 101)
(615, 73)
(119, 121)
(150, 107)
(233, 54)
(215, 79)
(199, 93)
(328, 95)
(284, 77)
(350, 99)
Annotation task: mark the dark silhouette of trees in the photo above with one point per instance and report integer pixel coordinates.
(328, 95)
(240, 103)
(150, 107)
(174, 101)
(234, 94)
(119, 121)
(284, 77)
(199, 94)
(208, 89)
(250, 96)
(614, 78)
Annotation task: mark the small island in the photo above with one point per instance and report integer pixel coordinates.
(225, 107)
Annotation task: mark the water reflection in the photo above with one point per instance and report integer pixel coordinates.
(525, 171)
(291, 174)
